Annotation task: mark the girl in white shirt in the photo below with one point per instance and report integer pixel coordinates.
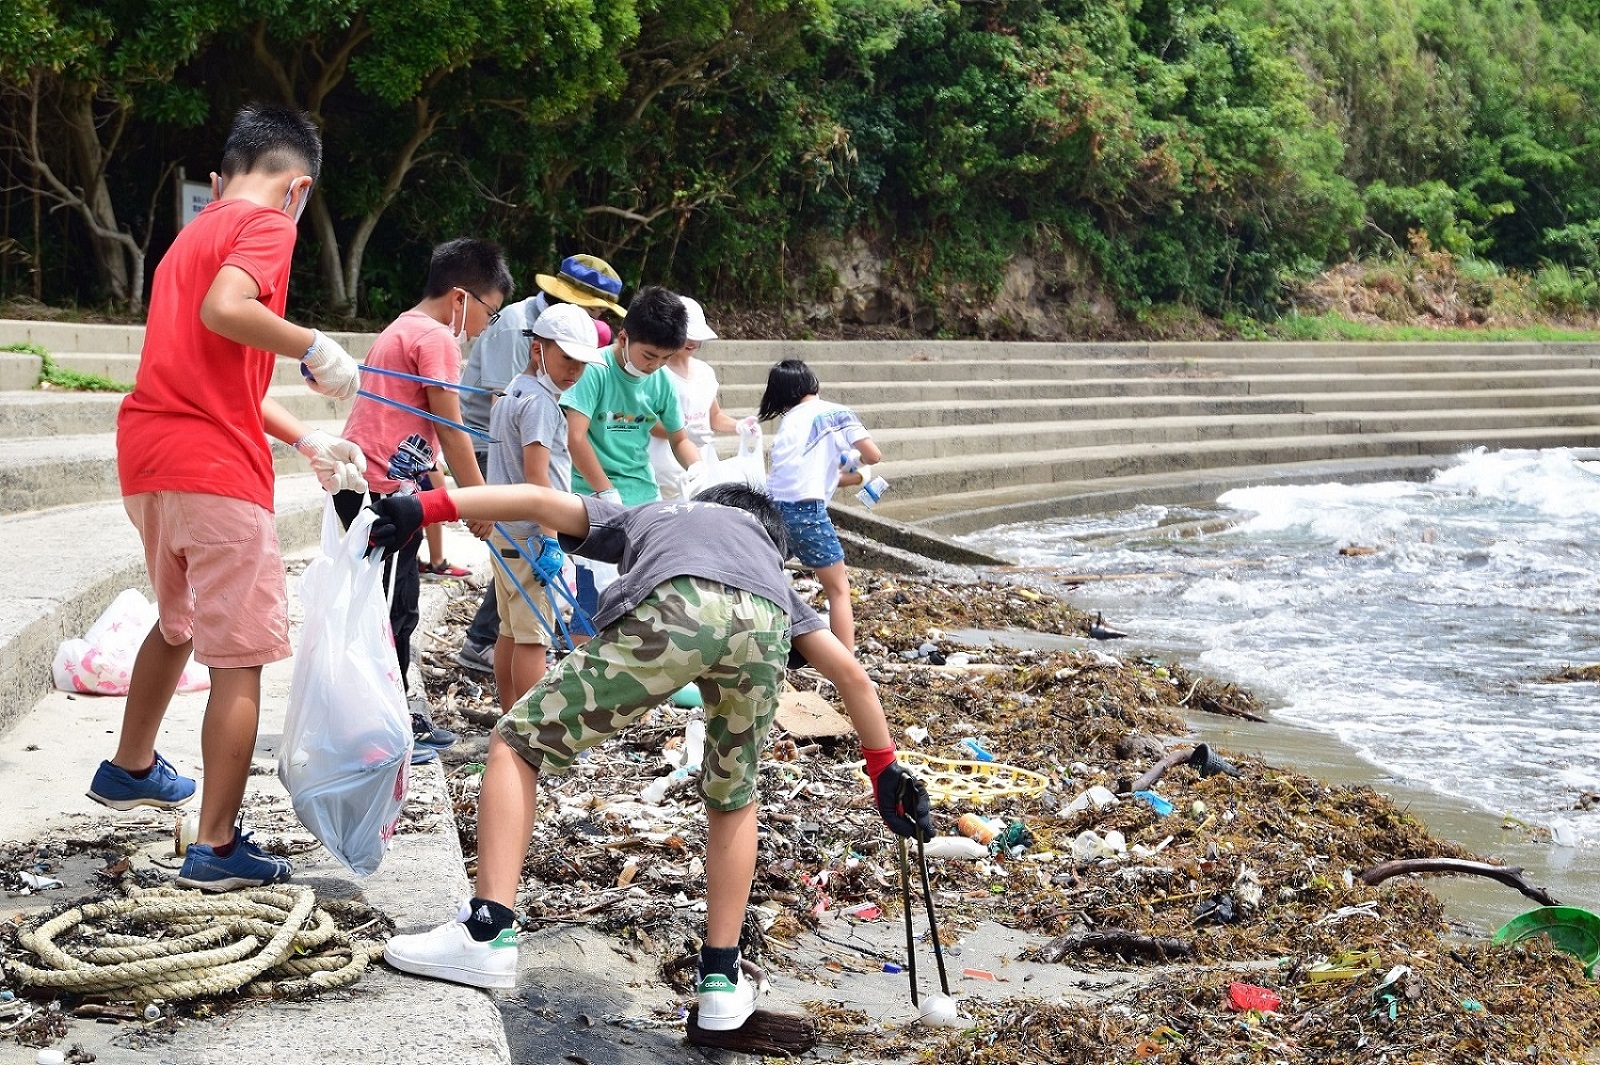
(703, 416)
(818, 446)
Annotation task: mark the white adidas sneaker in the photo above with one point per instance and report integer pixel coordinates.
(450, 953)
(726, 1005)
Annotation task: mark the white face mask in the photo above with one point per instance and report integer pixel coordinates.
(288, 197)
(544, 378)
(627, 364)
(459, 331)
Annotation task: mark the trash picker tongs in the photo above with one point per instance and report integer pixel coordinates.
(933, 919)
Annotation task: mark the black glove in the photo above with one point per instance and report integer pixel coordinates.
(399, 519)
(903, 802)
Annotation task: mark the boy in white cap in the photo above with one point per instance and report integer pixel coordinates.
(499, 355)
(529, 427)
(696, 384)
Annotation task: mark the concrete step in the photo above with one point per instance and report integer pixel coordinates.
(959, 514)
(124, 367)
(964, 442)
(63, 338)
(74, 559)
(831, 371)
(930, 478)
(36, 413)
(55, 471)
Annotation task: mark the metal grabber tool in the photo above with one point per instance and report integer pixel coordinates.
(927, 904)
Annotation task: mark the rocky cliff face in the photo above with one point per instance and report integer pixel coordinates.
(1049, 295)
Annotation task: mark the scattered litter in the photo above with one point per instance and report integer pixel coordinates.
(1242, 996)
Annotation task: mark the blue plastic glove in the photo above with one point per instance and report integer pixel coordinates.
(548, 562)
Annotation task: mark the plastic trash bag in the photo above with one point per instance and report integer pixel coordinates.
(747, 467)
(346, 754)
(101, 662)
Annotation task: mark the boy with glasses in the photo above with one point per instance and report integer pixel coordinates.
(468, 280)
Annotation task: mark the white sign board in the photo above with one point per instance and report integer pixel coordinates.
(193, 200)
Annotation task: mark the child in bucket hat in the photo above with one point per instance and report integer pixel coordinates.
(587, 281)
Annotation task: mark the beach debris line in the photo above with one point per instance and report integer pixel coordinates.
(1283, 847)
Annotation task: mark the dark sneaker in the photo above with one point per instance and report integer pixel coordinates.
(725, 1005)
(478, 659)
(115, 787)
(424, 755)
(450, 953)
(426, 734)
(247, 866)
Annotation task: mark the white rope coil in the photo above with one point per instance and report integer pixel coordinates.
(269, 941)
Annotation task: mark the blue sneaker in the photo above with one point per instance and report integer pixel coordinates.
(247, 866)
(115, 787)
(424, 733)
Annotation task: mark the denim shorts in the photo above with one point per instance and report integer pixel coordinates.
(811, 537)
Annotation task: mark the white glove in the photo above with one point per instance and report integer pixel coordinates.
(692, 480)
(610, 495)
(850, 461)
(866, 473)
(748, 428)
(329, 369)
(338, 464)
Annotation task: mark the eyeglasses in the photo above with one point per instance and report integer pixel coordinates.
(494, 315)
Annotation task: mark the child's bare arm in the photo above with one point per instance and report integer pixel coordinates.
(835, 662)
(556, 511)
(584, 460)
(233, 309)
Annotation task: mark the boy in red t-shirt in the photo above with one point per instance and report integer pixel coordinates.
(467, 283)
(197, 481)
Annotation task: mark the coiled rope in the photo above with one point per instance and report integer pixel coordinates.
(275, 941)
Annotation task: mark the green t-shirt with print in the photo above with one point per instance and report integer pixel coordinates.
(621, 411)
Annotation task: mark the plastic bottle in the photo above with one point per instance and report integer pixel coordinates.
(954, 847)
(974, 827)
(658, 788)
(872, 491)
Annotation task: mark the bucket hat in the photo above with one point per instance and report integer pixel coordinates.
(585, 280)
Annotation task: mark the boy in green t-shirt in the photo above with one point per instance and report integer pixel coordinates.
(613, 407)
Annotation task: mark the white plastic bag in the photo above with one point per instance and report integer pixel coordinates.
(747, 467)
(346, 755)
(102, 661)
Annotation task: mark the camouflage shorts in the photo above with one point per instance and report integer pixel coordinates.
(730, 643)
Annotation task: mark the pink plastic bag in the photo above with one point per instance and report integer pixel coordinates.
(101, 662)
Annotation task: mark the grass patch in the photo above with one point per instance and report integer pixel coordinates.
(1334, 326)
(52, 376)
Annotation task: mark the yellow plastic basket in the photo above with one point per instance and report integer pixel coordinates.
(970, 782)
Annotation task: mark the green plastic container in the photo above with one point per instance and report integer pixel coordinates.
(1571, 929)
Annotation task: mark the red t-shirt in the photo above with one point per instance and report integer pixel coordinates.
(416, 344)
(193, 420)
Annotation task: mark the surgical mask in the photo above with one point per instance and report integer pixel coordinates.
(627, 364)
(457, 332)
(288, 198)
(544, 378)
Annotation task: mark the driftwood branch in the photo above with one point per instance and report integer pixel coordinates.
(767, 1032)
(1176, 756)
(1114, 941)
(1509, 875)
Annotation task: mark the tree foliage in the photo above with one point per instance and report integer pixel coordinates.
(1197, 153)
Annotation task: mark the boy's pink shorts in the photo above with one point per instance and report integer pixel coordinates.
(217, 570)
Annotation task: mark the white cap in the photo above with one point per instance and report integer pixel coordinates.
(570, 327)
(698, 330)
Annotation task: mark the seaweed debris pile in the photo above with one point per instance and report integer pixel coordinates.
(1200, 873)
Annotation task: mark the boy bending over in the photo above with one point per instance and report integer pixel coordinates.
(702, 599)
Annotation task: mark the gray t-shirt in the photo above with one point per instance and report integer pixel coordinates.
(528, 414)
(498, 355)
(654, 542)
